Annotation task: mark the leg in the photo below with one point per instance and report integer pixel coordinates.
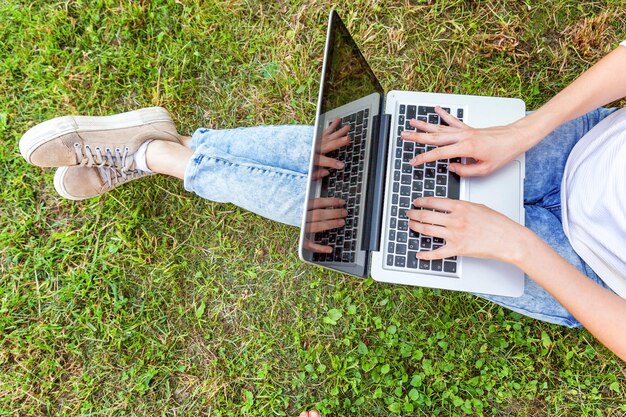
(261, 169)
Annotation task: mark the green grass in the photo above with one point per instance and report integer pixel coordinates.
(151, 301)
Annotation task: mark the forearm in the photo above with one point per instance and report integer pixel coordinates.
(601, 84)
(600, 311)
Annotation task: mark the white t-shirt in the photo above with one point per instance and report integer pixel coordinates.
(593, 200)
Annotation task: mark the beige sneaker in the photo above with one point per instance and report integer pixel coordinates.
(96, 141)
(80, 183)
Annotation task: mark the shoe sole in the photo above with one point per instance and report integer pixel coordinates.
(59, 126)
(58, 184)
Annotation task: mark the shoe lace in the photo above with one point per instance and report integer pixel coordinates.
(113, 158)
(115, 176)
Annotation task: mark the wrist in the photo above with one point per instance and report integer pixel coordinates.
(532, 129)
(526, 244)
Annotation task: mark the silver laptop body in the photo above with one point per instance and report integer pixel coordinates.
(378, 184)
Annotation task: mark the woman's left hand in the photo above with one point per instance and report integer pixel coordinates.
(469, 229)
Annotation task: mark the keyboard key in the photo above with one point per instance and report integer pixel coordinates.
(402, 108)
(436, 265)
(401, 249)
(433, 119)
(424, 264)
(411, 260)
(390, 260)
(403, 225)
(425, 242)
(390, 247)
(414, 244)
(411, 112)
(400, 261)
(424, 110)
(449, 267)
(401, 237)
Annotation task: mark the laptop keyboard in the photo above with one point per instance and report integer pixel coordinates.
(409, 183)
(347, 184)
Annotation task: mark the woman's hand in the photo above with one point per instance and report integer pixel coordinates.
(469, 229)
(489, 148)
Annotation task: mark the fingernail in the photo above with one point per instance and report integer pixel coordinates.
(451, 168)
(340, 165)
(342, 222)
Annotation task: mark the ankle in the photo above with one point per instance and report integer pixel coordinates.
(169, 158)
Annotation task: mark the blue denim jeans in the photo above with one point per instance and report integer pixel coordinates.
(264, 170)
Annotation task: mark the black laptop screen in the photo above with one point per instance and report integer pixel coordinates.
(348, 76)
(350, 96)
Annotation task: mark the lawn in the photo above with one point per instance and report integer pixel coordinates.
(152, 301)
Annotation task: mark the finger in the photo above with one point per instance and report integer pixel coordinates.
(429, 127)
(327, 214)
(448, 118)
(331, 127)
(338, 133)
(325, 202)
(318, 174)
(437, 203)
(441, 253)
(429, 229)
(325, 225)
(331, 145)
(315, 247)
(324, 161)
(444, 152)
(469, 170)
(427, 216)
(438, 139)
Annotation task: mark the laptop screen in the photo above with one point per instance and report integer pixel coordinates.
(349, 106)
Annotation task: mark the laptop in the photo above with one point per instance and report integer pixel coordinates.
(378, 185)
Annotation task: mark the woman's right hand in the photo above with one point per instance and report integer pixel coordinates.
(489, 148)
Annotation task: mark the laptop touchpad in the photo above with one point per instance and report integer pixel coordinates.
(500, 190)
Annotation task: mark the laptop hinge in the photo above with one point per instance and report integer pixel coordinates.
(376, 183)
